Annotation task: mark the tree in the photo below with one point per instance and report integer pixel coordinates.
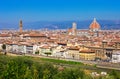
(115, 74)
(73, 56)
(71, 74)
(48, 53)
(4, 48)
(37, 52)
(17, 68)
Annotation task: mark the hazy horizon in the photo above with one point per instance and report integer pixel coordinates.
(105, 24)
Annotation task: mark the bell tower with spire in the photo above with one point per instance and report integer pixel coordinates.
(20, 26)
(74, 28)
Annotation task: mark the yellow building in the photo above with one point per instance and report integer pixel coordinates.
(87, 55)
(73, 52)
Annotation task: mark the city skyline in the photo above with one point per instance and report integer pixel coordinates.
(54, 10)
(59, 39)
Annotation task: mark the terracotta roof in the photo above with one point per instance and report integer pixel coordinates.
(74, 48)
(94, 25)
(34, 35)
(62, 43)
(46, 47)
(116, 40)
(69, 30)
(4, 35)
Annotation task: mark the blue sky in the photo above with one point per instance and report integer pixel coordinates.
(58, 10)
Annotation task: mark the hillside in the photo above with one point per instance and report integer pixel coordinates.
(24, 67)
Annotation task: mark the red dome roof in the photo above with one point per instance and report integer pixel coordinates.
(94, 25)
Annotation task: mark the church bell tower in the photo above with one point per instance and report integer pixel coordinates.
(20, 26)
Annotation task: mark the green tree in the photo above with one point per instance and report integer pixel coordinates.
(28, 74)
(34, 72)
(17, 68)
(115, 74)
(37, 52)
(46, 71)
(71, 74)
(46, 74)
(4, 48)
(48, 53)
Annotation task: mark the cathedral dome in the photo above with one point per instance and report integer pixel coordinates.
(94, 25)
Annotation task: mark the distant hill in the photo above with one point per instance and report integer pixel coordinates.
(105, 24)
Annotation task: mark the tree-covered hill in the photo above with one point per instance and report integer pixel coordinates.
(22, 67)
